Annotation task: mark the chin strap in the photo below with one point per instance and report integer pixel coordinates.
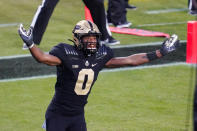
(71, 41)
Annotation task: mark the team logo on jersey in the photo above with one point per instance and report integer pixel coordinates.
(75, 66)
(87, 63)
(74, 58)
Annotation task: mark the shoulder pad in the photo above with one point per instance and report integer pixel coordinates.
(102, 50)
(70, 50)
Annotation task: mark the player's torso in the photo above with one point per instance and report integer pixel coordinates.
(75, 77)
(78, 73)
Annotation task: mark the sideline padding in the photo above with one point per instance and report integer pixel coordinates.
(138, 32)
(191, 42)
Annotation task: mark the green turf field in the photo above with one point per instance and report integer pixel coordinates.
(69, 12)
(152, 99)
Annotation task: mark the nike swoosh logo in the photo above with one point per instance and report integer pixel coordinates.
(94, 64)
(100, 57)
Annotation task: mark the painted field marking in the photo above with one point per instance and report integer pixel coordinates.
(103, 71)
(28, 78)
(161, 24)
(9, 25)
(144, 67)
(113, 47)
(165, 11)
(141, 44)
(15, 56)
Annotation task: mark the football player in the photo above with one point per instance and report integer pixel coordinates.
(78, 66)
(192, 4)
(45, 10)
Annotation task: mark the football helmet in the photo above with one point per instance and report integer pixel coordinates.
(86, 28)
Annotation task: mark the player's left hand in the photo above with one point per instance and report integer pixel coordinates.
(169, 45)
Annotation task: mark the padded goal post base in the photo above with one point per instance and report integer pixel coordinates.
(191, 56)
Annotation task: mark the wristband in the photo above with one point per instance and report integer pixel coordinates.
(163, 52)
(152, 56)
(31, 46)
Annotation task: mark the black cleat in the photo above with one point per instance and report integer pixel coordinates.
(131, 7)
(110, 41)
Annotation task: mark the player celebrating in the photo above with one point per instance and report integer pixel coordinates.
(77, 69)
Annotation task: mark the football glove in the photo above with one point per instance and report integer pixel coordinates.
(169, 45)
(26, 36)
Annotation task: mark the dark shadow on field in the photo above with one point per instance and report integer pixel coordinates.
(27, 66)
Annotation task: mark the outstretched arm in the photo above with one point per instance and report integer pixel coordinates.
(39, 55)
(168, 46)
(132, 60)
(45, 58)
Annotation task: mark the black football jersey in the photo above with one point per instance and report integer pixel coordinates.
(75, 77)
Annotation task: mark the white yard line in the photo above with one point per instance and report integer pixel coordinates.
(113, 47)
(28, 78)
(14, 56)
(105, 70)
(141, 44)
(145, 67)
(165, 11)
(161, 24)
(136, 45)
(9, 24)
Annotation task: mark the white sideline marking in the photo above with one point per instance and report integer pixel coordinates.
(144, 67)
(105, 70)
(140, 45)
(113, 47)
(14, 56)
(165, 11)
(136, 45)
(28, 78)
(161, 24)
(8, 25)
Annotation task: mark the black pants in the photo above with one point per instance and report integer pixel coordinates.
(116, 12)
(192, 4)
(97, 11)
(45, 10)
(56, 122)
(126, 2)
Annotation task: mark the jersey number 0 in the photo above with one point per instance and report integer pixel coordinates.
(81, 79)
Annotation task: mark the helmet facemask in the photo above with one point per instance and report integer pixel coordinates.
(89, 47)
(86, 30)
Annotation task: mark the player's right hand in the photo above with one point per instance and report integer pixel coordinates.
(26, 36)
